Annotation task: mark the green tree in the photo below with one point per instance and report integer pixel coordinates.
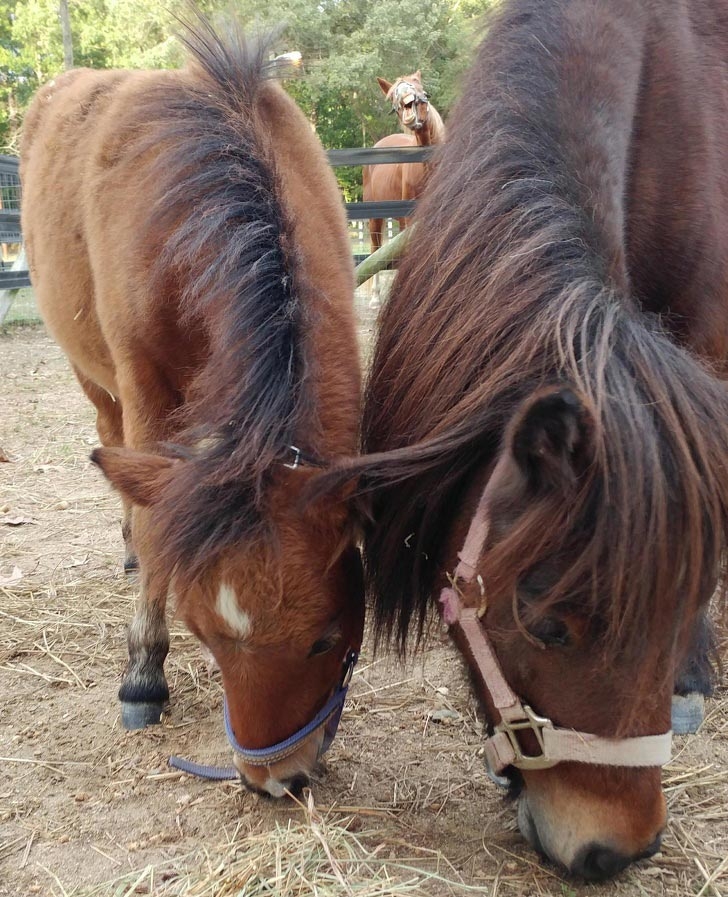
(345, 45)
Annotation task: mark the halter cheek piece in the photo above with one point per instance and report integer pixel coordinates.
(555, 744)
(328, 716)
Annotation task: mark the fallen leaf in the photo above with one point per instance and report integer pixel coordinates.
(14, 576)
(75, 562)
(4, 458)
(17, 521)
(444, 716)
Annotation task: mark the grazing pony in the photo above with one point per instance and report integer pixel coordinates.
(546, 415)
(189, 252)
(416, 114)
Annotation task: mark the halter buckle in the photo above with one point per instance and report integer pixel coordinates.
(295, 464)
(349, 664)
(536, 724)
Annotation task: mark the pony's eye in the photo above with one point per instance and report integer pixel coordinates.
(322, 645)
(551, 631)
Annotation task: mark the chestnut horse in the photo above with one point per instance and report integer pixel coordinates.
(546, 416)
(189, 251)
(384, 183)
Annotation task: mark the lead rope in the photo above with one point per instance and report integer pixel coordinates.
(214, 773)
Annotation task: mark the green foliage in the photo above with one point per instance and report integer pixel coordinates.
(345, 45)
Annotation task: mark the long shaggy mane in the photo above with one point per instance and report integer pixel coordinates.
(229, 261)
(508, 286)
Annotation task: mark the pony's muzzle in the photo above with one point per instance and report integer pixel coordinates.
(593, 855)
(293, 786)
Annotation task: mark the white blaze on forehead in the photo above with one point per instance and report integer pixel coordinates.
(231, 613)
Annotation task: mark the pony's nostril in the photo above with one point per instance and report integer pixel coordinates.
(254, 789)
(652, 849)
(296, 784)
(596, 863)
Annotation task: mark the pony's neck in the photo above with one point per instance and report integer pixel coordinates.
(433, 130)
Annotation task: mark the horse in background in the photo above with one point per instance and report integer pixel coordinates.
(546, 418)
(188, 248)
(422, 126)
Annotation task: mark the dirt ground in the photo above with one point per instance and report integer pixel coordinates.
(86, 808)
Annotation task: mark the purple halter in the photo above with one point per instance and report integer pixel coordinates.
(328, 716)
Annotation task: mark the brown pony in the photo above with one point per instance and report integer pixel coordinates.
(384, 183)
(553, 352)
(189, 252)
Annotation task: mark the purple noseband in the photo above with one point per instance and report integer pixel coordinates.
(328, 716)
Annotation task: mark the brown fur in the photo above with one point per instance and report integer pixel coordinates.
(188, 249)
(559, 335)
(385, 183)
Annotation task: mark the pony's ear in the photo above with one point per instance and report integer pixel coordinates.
(418, 76)
(551, 439)
(139, 476)
(386, 86)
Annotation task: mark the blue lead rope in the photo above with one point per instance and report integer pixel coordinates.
(216, 773)
(329, 716)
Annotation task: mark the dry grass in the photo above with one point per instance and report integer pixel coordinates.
(323, 855)
(87, 809)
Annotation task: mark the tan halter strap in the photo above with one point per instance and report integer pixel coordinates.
(555, 744)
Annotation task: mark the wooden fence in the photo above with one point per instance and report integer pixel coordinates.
(15, 276)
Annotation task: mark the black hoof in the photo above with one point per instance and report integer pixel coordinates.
(139, 715)
(688, 712)
(131, 564)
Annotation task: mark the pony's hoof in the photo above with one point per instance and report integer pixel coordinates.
(688, 712)
(131, 564)
(139, 715)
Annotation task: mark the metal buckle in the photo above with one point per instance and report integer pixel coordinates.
(536, 724)
(349, 664)
(296, 458)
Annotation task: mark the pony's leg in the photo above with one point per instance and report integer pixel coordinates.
(375, 233)
(148, 404)
(695, 680)
(144, 690)
(109, 426)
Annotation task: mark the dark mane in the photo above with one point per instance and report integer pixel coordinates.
(230, 263)
(518, 280)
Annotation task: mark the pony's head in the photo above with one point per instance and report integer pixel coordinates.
(280, 612)
(409, 100)
(587, 577)
(580, 657)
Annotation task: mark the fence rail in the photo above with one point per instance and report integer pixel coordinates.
(384, 155)
(10, 231)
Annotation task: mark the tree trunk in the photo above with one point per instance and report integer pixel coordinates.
(67, 36)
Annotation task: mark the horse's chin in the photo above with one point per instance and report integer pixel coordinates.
(527, 826)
